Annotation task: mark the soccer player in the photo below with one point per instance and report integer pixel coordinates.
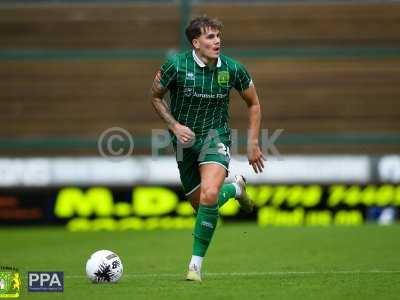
(199, 82)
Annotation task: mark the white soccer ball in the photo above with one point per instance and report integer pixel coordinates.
(104, 266)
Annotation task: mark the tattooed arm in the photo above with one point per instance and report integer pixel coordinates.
(183, 133)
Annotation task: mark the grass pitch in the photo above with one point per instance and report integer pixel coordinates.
(244, 261)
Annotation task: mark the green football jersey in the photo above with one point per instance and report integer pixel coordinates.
(199, 96)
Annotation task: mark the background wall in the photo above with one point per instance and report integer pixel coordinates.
(327, 72)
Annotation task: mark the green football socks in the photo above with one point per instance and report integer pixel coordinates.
(227, 192)
(206, 222)
(207, 218)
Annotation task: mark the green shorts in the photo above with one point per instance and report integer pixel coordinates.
(213, 148)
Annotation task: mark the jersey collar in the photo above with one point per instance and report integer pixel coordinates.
(201, 64)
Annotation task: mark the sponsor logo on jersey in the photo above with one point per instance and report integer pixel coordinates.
(188, 91)
(210, 96)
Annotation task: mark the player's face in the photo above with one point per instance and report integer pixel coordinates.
(209, 43)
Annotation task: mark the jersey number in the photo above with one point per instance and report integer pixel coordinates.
(223, 149)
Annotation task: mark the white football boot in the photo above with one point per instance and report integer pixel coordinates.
(244, 200)
(193, 274)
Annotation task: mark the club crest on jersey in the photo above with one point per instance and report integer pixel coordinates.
(188, 91)
(189, 76)
(223, 78)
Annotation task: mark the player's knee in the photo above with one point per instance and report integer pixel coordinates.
(209, 195)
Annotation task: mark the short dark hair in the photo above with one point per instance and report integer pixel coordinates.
(193, 30)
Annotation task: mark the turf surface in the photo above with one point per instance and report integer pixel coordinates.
(243, 261)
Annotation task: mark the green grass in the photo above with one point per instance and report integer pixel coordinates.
(244, 261)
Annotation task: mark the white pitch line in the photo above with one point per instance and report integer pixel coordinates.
(272, 273)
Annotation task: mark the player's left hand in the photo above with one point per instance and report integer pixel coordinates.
(256, 158)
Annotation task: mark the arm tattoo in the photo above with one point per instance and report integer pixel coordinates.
(159, 104)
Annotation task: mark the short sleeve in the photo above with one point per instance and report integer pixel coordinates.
(168, 74)
(242, 79)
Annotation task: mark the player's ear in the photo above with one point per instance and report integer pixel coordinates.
(196, 44)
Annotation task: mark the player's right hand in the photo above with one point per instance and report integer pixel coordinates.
(183, 133)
